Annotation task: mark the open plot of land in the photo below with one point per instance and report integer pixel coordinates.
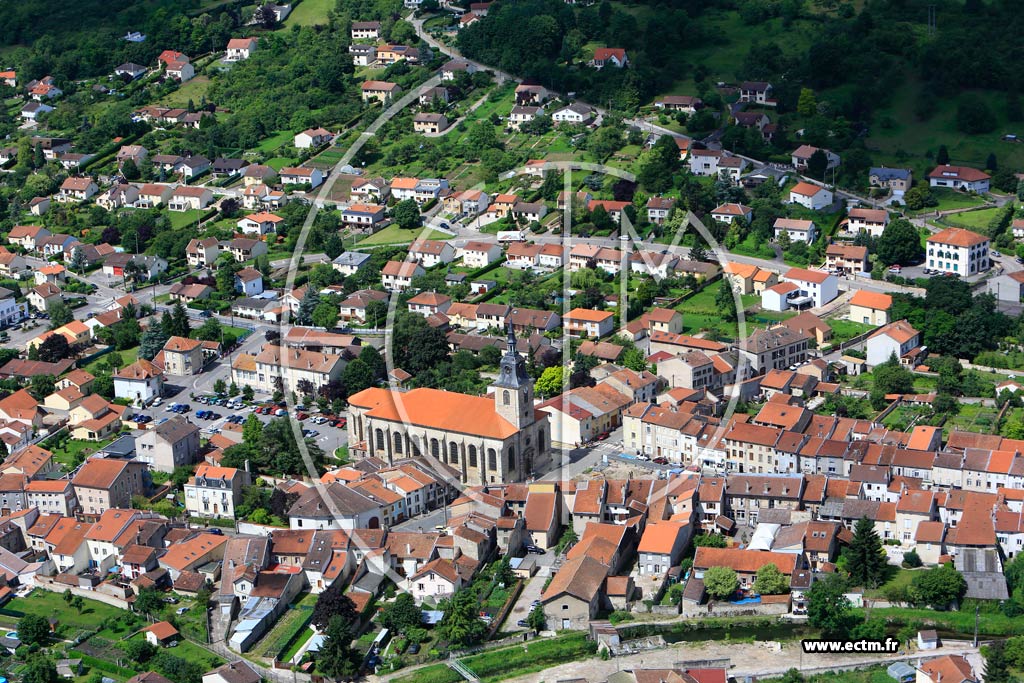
(180, 219)
(972, 418)
(309, 12)
(285, 137)
(843, 330)
(193, 90)
(47, 604)
(287, 628)
(128, 356)
(396, 235)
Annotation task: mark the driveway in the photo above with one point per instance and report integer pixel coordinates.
(531, 591)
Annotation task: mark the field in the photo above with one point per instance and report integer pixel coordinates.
(972, 418)
(396, 235)
(271, 144)
(194, 91)
(128, 356)
(701, 315)
(48, 604)
(502, 663)
(309, 12)
(180, 219)
(843, 330)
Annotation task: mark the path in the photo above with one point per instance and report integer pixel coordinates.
(456, 122)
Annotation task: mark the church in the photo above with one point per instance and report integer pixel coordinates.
(495, 439)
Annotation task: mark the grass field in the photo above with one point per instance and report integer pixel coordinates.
(309, 12)
(395, 235)
(128, 356)
(193, 90)
(973, 220)
(277, 163)
(179, 219)
(843, 330)
(284, 137)
(68, 455)
(48, 604)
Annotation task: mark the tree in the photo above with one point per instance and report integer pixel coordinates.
(720, 582)
(817, 164)
(942, 156)
(41, 386)
(357, 376)
(210, 330)
(550, 382)
(866, 558)
(325, 315)
(265, 17)
(40, 669)
(911, 559)
(659, 164)
(78, 261)
(973, 116)
(460, 624)
(333, 603)
(152, 342)
(148, 601)
(807, 104)
(536, 619)
(899, 243)
(991, 163)
(376, 313)
(54, 348)
(129, 170)
(336, 657)
(406, 214)
(828, 608)
(220, 386)
(938, 587)
(1014, 571)
(78, 602)
(179, 323)
(60, 313)
(304, 316)
(138, 649)
(709, 541)
(770, 581)
(725, 301)
(402, 614)
(997, 668)
(34, 629)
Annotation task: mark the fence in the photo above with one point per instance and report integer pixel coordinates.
(503, 613)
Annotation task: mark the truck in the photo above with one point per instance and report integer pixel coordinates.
(511, 236)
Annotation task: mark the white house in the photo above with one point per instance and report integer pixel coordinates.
(821, 286)
(240, 48)
(897, 338)
(797, 229)
(809, 196)
(313, 137)
(249, 282)
(479, 254)
(871, 221)
(259, 223)
(298, 175)
(959, 178)
(727, 213)
(141, 382)
(430, 253)
(960, 252)
(350, 262)
(577, 113)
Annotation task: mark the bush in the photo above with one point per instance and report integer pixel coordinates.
(911, 559)
(619, 616)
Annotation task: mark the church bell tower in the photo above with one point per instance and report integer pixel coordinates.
(513, 390)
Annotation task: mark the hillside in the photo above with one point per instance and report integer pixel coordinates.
(880, 81)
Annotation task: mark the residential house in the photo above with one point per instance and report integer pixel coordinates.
(240, 48)
(202, 253)
(77, 189)
(897, 180)
(810, 196)
(365, 30)
(260, 223)
(959, 178)
(429, 123)
(820, 286)
(797, 230)
(958, 252)
(299, 175)
(105, 483)
(430, 253)
(25, 236)
(845, 259)
(897, 339)
(245, 249)
(380, 91)
(727, 213)
(363, 216)
(350, 262)
(871, 221)
(589, 323)
(575, 595)
(576, 113)
(658, 209)
(249, 282)
(188, 198)
(801, 156)
(609, 56)
(757, 92)
(141, 382)
(870, 308)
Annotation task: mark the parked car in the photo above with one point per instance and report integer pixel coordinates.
(995, 253)
(522, 623)
(280, 412)
(660, 461)
(534, 550)
(414, 648)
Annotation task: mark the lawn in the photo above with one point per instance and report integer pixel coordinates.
(843, 330)
(271, 144)
(309, 12)
(277, 163)
(191, 652)
(973, 220)
(192, 91)
(502, 663)
(47, 604)
(901, 578)
(396, 235)
(181, 219)
(901, 418)
(128, 356)
(700, 314)
(749, 247)
(74, 451)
